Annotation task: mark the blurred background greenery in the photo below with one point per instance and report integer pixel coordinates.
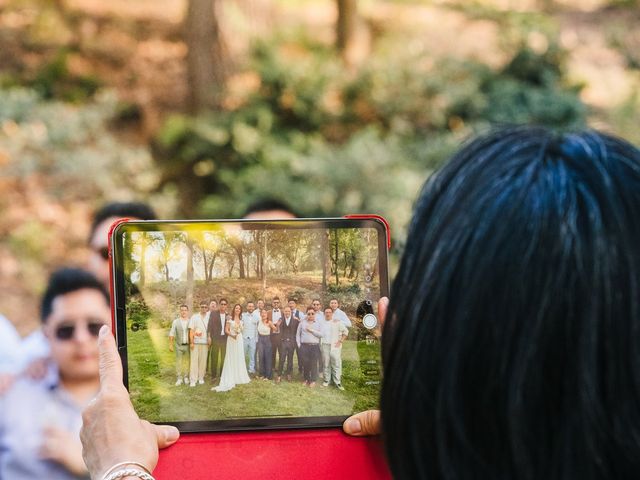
(201, 107)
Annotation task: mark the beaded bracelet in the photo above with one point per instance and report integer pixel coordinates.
(108, 475)
(129, 472)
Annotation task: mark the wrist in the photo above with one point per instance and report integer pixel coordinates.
(127, 470)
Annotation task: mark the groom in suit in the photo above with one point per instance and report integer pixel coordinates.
(215, 329)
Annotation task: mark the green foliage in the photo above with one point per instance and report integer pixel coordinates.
(347, 288)
(138, 313)
(54, 81)
(330, 143)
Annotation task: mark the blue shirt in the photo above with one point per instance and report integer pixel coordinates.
(304, 336)
(251, 321)
(24, 411)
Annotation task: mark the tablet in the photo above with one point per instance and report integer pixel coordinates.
(249, 324)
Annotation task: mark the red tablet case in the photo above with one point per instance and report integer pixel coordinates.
(308, 454)
(275, 454)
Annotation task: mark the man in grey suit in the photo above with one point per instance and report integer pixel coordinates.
(179, 341)
(215, 330)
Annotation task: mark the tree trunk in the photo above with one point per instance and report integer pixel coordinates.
(205, 264)
(206, 60)
(211, 263)
(264, 256)
(324, 248)
(336, 258)
(346, 25)
(239, 252)
(143, 262)
(189, 273)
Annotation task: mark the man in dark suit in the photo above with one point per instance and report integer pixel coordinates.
(288, 330)
(215, 329)
(275, 315)
(293, 305)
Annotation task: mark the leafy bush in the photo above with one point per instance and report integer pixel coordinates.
(347, 288)
(328, 142)
(138, 314)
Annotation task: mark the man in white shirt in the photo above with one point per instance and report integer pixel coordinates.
(250, 319)
(199, 344)
(338, 313)
(317, 307)
(334, 334)
(179, 341)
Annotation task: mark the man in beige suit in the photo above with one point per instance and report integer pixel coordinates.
(179, 341)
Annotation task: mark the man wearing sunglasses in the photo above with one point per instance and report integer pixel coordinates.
(40, 421)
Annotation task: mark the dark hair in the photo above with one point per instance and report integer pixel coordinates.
(234, 309)
(292, 299)
(275, 298)
(512, 343)
(68, 280)
(223, 300)
(184, 305)
(138, 210)
(266, 204)
(310, 308)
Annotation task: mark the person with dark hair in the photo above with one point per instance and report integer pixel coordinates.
(275, 317)
(270, 209)
(293, 305)
(265, 327)
(40, 421)
(338, 313)
(179, 341)
(510, 345)
(199, 342)
(308, 339)
(320, 320)
(234, 371)
(289, 330)
(250, 320)
(216, 328)
(335, 334)
(98, 234)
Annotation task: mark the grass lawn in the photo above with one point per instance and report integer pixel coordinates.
(157, 399)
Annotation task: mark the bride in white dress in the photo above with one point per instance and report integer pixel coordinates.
(234, 371)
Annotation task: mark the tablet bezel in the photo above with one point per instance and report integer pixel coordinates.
(118, 304)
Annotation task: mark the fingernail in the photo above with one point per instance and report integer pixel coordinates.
(104, 330)
(171, 434)
(353, 425)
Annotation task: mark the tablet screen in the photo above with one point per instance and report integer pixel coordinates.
(244, 325)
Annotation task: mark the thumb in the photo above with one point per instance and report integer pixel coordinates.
(383, 305)
(166, 434)
(110, 366)
(363, 424)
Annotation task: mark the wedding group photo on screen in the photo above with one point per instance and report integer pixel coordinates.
(231, 323)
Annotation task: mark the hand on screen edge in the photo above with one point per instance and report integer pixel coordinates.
(367, 423)
(111, 431)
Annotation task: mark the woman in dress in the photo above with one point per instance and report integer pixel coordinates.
(234, 371)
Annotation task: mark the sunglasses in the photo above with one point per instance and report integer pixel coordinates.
(103, 252)
(66, 332)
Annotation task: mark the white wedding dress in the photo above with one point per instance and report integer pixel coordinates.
(234, 371)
